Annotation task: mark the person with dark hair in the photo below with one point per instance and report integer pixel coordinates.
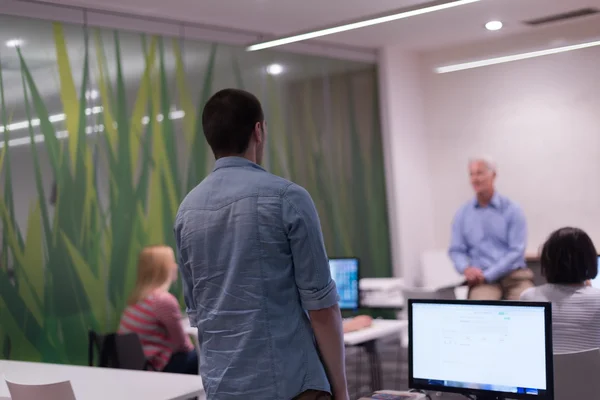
(256, 275)
(569, 260)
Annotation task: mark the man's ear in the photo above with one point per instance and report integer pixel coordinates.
(258, 132)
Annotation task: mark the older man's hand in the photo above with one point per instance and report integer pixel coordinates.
(474, 276)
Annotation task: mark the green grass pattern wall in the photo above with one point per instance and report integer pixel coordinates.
(73, 264)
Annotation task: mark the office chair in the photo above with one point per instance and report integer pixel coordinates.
(115, 350)
(576, 375)
(52, 391)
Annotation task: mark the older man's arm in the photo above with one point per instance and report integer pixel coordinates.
(517, 243)
(459, 252)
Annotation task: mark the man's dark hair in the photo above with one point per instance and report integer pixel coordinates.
(228, 120)
(569, 257)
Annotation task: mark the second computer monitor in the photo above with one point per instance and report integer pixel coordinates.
(345, 273)
(494, 350)
(596, 281)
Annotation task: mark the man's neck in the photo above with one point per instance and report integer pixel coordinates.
(248, 156)
(484, 199)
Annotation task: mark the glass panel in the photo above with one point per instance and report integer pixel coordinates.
(119, 144)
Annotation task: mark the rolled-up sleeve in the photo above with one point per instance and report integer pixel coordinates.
(187, 279)
(311, 266)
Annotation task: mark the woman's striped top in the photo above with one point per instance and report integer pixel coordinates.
(575, 315)
(157, 321)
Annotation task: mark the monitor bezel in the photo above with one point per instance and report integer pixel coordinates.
(485, 393)
(358, 302)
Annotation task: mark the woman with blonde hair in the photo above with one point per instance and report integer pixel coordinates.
(154, 315)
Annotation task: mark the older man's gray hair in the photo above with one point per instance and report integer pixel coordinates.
(486, 160)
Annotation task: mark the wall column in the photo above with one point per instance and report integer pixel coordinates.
(408, 179)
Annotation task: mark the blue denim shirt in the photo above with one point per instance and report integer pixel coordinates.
(253, 261)
(491, 238)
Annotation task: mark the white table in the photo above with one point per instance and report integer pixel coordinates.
(188, 329)
(366, 338)
(94, 383)
(381, 328)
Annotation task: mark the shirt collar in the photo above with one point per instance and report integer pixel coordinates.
(239, 162)
(495, 202)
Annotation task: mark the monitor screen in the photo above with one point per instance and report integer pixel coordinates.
(596, 280)
(344, 272)
(481, 348)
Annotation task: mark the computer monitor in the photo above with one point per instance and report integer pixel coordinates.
(345, 273)
(596, 280)
(490, 349)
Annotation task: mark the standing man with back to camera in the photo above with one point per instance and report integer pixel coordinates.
(256, 275)
(489, 236)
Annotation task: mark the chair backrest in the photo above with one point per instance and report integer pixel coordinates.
(576, 375)
(52, 391)
(438, 271)
(105, 346)
(115, 350)
(130, 352)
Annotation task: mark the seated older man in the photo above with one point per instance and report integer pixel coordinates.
(488, 242)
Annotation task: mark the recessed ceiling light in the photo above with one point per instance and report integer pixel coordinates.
(399, 14)
(494, 25)
(14, 43)
(274, 69)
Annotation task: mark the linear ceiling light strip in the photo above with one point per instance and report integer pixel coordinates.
(358, 24)
(515, 57)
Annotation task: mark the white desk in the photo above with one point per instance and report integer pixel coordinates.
(188, 329)
(365, 338)
(381, 328)
(94, 383)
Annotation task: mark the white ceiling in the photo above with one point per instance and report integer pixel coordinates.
(280, 17)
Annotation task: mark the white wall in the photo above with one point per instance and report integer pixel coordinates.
(539, 118)
(406, 160)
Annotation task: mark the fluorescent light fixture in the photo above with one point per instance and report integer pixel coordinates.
(494, 25)
(12, 43)
(175, 114)
(91, 94)
(514, 57)
(407, 13)
(59, 135)
(274, 69)
(52, 118)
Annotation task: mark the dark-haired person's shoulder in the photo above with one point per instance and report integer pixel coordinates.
(592, 291)
(590, 297)
(530, 294)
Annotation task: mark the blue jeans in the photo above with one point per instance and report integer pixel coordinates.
(183, 363)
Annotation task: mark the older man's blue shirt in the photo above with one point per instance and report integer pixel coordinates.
(492, 238)
(253, 261)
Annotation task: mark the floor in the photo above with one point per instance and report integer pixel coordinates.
(394, 361)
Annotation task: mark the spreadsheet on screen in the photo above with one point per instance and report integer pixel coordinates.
(473, 347)
(344, 271)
